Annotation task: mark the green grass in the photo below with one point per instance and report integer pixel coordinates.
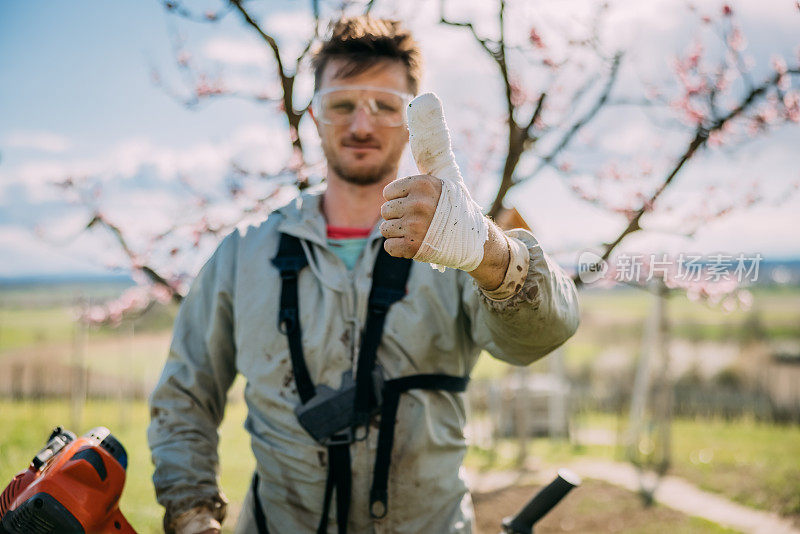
(27, 327)
(54, 325)
(27, 426)
(755, 464)
(503, 456)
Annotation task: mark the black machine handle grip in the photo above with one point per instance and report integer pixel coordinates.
(542, 502)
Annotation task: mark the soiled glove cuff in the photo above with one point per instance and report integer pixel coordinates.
(196, 520)
(516, 273)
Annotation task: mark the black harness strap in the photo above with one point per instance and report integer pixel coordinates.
(378, 495)
(258, 510)
(389, 279)
(340, 476)
(290, 260)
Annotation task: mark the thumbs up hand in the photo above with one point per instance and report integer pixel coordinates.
(432, 217)
(410, 206)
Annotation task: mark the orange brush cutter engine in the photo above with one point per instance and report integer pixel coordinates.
(72, 486)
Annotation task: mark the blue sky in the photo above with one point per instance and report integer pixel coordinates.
(76, 98)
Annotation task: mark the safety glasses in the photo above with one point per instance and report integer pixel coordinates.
(338, 105)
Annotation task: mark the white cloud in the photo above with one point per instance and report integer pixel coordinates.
(42, 141)
(290, 25)
(207, 161)
(28, 254)
(239, 52)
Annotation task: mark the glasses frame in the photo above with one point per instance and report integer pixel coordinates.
(315, 100)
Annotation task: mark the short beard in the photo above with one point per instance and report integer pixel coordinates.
(361, 175)
(367, 176)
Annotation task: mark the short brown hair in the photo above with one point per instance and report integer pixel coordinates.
(363, 42)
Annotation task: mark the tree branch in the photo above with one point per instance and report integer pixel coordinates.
(699, 139)
(98, 219)
(482, 41)
(287, 80)
(536, 114)
(580, 123)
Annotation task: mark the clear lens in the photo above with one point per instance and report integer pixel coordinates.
(338, 106)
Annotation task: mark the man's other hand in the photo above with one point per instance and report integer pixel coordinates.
(407, 213)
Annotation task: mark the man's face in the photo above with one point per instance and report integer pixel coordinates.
(363, 151)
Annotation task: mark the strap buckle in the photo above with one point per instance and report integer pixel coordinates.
(289, 266)
(286, 320)
(345, 437)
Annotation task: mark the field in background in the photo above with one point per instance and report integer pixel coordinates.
(753, 463)
(610, 321)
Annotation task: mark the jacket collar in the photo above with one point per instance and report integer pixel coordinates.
(303, 218)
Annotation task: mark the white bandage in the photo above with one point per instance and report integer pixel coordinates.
(458, 230)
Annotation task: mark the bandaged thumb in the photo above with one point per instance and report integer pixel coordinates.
(458, 230)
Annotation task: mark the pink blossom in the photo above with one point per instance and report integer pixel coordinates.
(736, 40)
(715, 138)
(565, 166)
(183, 58)
(536, 39)
(729, 304)
(727, 10)
(652, 92)
(518, 95)
(751, 198)
(779, 65)
(791, 103)
(210, 15)
(723, 82)
(694, 54)
(692, 114)
(768, 114)
(205, 87)
(161, 294)
(96, 314)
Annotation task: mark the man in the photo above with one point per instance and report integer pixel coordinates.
(305, 324)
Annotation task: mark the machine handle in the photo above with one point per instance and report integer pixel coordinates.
(541, 503)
